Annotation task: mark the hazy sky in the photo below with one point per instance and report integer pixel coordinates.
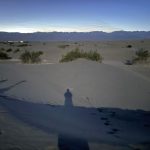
(74, 15)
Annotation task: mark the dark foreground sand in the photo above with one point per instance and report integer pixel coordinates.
(102, 113)
(29, 125)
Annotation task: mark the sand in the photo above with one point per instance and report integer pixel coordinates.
(104, 85)
(109, 106)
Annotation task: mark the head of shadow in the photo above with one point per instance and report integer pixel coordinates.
(68, 98)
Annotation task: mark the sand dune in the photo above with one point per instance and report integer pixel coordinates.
(104, 85)
(109, 108)
(77, 127)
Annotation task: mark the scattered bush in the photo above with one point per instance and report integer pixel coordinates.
(63, 46)
(2, 49)
(25, 57)
(40, 52)
(129, 62)
(3, 42)
(16, 51)
(142, 55)
(11, 43)
(9, 50)
(93, 55)
(4, 55)
(129, 46)
(23, 45)
(31, 57)
(75, 54)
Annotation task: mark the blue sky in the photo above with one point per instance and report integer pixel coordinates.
(74, 15)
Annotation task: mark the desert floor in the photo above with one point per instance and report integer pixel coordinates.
(109, 108)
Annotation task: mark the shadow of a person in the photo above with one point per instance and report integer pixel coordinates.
(68, 141)
(68, 98)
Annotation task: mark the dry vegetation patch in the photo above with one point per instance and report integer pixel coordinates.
(75, 54)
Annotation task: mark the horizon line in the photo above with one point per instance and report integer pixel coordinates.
(76, 31)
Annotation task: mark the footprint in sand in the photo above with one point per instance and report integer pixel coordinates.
(112, 114)
(100, 110)
(104, 118)
(107, 123)
(113, 131)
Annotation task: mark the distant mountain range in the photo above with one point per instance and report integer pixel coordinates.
(74, 36)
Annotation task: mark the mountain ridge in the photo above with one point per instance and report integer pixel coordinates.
(74, 36)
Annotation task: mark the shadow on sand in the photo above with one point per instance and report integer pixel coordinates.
(68, 141)
(76, 126)
(40, 116)
(3, 90)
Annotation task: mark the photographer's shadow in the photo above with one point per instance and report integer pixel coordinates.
(68, 98)
(69, 141)
(62, 120)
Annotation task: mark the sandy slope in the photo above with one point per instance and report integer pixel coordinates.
(80, 127)
(118, 90)
(92, 84)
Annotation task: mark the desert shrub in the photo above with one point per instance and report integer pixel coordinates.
(2, 49)
(35, 57)
(94, 55)
(40, 52)
(129, 46)
(16, 50)
(31, 57)
(3, 42)
(23, 45)
(63, 46)
(11, 43)
(9, 50)
(4, 55)
(129, 62)
(25, 57)
(142, 55)
(75, 54)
